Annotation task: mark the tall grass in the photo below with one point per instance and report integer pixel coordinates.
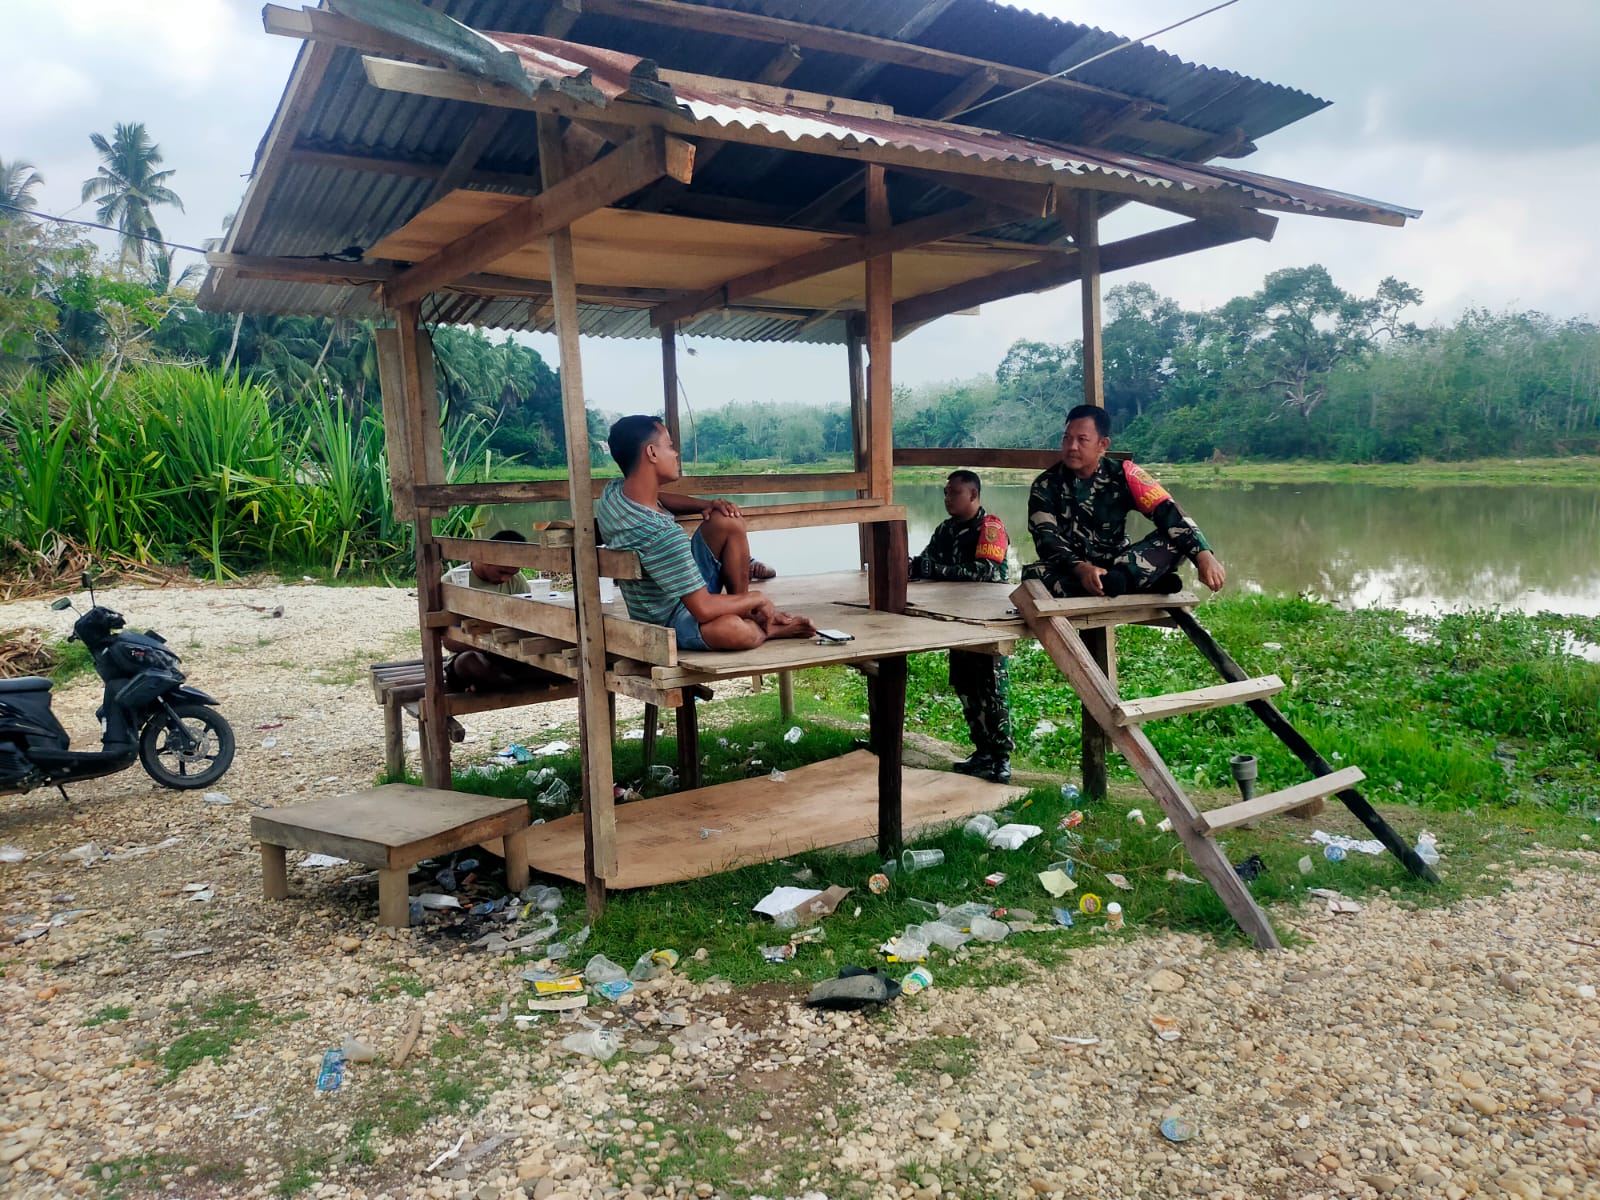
(174, 464)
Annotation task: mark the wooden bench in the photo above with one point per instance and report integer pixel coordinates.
(399, 685)
(392, 828)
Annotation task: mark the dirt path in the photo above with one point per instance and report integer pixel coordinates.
(150, 1040)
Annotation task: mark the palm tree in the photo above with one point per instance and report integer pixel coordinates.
(128, 187)
(18, 179)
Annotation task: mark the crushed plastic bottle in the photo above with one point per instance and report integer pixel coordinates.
(987, 929)
(1428, 848)
(543, 897)
(1069, 792)
(602, 1044)
(557, 795)
(571, 946)
(601, 969)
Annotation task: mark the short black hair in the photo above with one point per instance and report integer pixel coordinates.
(967, 477)
(1101, 419)
(628, 438)
(507, 535)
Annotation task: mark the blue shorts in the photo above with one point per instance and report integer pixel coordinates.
(682, 620)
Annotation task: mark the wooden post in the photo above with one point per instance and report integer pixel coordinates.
(786, 695)
(855, 335)
(889, 560)
(669, 382)
(688, 743)
(1102, 643)
(421, 415)
(652, 714)
(274, 873)
(599, 813)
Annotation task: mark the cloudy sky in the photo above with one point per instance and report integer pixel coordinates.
(1486, 115)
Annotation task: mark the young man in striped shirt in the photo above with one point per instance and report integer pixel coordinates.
(699, 587)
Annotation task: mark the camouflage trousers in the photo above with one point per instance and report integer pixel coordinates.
(980, 680)
(1143, 562)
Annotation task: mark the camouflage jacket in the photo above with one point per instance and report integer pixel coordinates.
(968, 551)
(1075, 520)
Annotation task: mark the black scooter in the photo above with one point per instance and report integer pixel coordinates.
(148, 712)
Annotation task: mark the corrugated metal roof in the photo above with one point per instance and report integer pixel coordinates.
(317, 208)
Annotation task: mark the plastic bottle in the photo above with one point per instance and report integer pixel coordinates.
(595, 1043)
(1114, 915)
(1427, 849)
(1069, 792)
(602, 970)
(987, 929)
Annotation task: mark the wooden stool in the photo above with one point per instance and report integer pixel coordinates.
(392, 828)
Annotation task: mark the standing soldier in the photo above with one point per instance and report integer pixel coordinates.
(971, 548)
(1078, 516)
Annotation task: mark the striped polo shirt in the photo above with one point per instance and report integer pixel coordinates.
(670, 572)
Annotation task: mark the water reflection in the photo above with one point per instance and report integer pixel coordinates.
(1420, 550)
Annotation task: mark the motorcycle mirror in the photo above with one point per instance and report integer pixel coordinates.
(63, 603)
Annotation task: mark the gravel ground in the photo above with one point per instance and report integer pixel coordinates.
(1447, 1052)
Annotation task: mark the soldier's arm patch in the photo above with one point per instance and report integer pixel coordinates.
(992, 539)
(1148, 495)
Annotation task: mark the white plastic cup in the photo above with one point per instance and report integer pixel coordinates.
(917, 860)
(980, 826)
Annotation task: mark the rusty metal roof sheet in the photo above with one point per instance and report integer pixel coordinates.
(353, 198)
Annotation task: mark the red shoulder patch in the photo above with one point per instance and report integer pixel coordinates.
(1148, 495)
(992, 539)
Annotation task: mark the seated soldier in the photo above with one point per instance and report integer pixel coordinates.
(1078, 516)
(473, 670)
(700, 586)
(971, 547)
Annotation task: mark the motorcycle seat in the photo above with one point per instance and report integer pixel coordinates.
(28, 683)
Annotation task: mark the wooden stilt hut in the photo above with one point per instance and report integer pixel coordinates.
(640, 168)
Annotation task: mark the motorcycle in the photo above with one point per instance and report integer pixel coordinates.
(148, 712)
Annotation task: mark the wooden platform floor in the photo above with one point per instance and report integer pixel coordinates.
(825, 804)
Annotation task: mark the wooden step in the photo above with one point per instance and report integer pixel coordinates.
(1089, 606)
(1219, 819)
(1153, 708)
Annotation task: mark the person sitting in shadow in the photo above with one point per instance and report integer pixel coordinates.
(469, 669)
(699, 587)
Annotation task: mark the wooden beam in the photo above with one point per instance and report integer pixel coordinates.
(485, 127)
(639, 640)
(396, 429)
(781, 65)
(599, 815)
(832, 257)
(1174, 704)
(557, 560)
(646, 158)
(1032, 200)
(421, 80)
(563, 15)
(1037, 277)
(1101, 643)
(964, 94)
(1254, 809)
(762, 93)
(752, 27)
(819, 210)
(880, 338)
(813, 513)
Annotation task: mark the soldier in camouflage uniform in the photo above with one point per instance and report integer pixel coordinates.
(971, 547)
(1078, 515)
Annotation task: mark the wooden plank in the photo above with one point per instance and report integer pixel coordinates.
(1031, 200)
(1174, 704)
(1069, 653)
(394, 825)
(485, 128)
(654, 644)
(767, 482)
(972, 456)
(646, 158)
(830, 803)
(1291, 737)
(599, 816)
(843, 253)
(1084, 606)
(1258, 807)
(421, 400)
(617, 564)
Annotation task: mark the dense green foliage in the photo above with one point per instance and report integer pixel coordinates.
(173, 464)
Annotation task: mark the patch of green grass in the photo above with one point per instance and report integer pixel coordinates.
(361, 1149)
(212, 1032)
(110, 1012)
(399, 985)
(459, 1075)
(305, 1171)
(72, 660)
(122, 1178)
(937, 1055)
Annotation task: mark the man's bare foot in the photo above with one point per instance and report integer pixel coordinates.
(783, 625)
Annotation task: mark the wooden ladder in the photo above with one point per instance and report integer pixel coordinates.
(1054, 622)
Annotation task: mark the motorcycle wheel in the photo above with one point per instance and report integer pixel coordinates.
(193, 751)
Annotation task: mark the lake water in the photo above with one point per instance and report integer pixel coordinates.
(1422, 550)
